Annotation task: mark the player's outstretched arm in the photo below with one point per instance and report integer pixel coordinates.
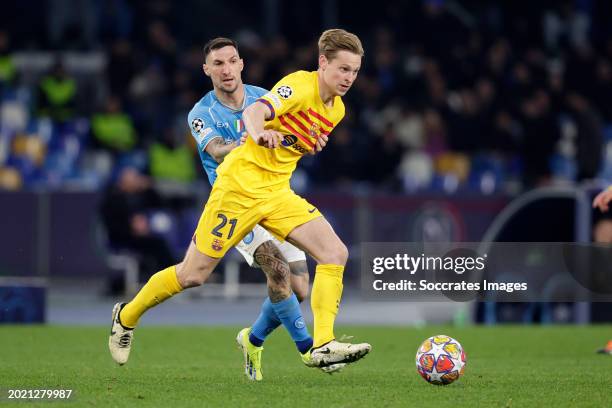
(254, 117)
(603, 199)
(218, 149)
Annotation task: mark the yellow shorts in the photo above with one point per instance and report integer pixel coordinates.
(230, 214)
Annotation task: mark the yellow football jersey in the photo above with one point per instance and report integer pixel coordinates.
(299, 113)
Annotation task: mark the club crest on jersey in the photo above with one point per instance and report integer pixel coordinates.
(314, 130)
(217, 244)
(289, 140)
(284, 91)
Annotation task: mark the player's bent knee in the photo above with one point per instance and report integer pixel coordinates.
(337, 255)
(192, 274)
(191, 281)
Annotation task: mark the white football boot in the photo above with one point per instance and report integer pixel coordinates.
(329, 369)
(336, 352)
(120, 339)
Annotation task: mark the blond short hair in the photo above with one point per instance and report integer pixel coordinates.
(336, 39)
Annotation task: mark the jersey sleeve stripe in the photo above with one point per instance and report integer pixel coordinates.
(325, 121)
(295, 132)
(269, 105)
(310, 122)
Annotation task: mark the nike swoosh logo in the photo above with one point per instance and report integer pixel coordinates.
(313, 210)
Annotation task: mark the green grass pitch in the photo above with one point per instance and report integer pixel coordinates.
(514, 366)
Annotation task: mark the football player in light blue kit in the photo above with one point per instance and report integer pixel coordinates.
(216, 124)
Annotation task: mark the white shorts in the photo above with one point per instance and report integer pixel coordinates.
(258, 236)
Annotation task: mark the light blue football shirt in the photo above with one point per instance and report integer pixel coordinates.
(209, 119)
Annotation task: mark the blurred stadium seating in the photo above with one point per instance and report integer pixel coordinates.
(476, 88)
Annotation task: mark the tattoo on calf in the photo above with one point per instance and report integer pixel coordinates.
(276, 269)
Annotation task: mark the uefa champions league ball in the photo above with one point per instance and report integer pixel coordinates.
(440, 360)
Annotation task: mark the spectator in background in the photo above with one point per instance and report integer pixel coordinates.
(7, 66)
(566, 23)
(72, 24)
(434, 132)
(124, 211)
(161, 46)
(541, 133)
(114, 129)
(590, 136)
(10, 179)
(149, 99)
(171, 158)
(122, 67)
(57, 93)
(386, 70)
(116, 19)
(602, 88)
(497, 59)
(466, 122)
(506, 133)
(385, 154)
(408, 126)
(417, 166)
(339, 161)
(437, 29)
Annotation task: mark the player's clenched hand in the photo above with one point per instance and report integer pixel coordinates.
(603, 199)
(270, 139)
(319, 144)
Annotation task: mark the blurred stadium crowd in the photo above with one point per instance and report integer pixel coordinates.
(451, 97)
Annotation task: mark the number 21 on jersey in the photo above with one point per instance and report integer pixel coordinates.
(223, 221)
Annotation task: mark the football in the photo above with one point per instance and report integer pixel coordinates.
(440, 360)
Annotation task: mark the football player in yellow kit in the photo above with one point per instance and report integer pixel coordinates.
(252, 187)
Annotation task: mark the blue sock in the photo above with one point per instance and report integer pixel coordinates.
(289, 313)
(266, 322)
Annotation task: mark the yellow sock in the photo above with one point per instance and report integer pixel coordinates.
(324, 301)
(161, 286)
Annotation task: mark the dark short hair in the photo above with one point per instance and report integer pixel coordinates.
(217, 43)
